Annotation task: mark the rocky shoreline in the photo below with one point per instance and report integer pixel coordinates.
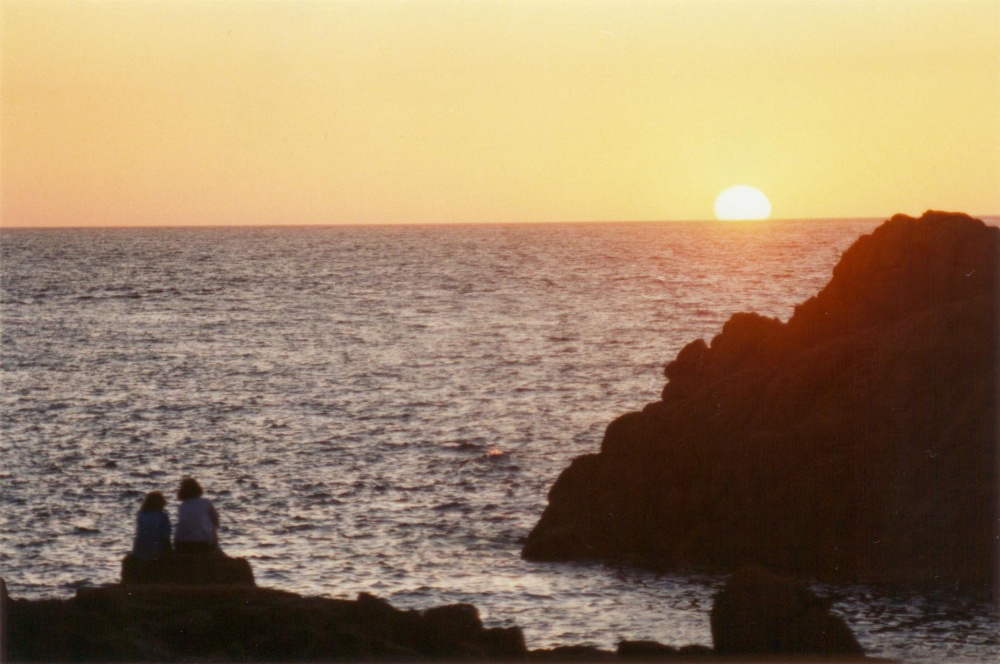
(758, 614)
(856, 442)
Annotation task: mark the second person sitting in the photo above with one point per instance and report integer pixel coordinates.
(152, 531)
(197, 521)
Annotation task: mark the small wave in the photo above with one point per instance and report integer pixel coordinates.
(497, 518)
(464, 446)
(298, 527)
(328, 444)
(34, 543)
(451, 507)
(404, 488)
(151, 473)
(326, 498)
(539, 596)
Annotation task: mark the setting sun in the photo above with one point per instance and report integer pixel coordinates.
(742, 202)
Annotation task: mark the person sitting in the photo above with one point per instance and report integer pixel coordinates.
(152, 529)
(197, 520)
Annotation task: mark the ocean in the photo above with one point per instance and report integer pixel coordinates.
(383, 409)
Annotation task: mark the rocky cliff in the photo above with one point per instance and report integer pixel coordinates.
(857, 441)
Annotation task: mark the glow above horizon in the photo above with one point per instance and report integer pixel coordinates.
(385, 112)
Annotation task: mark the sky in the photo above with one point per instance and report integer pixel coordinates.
(293, 112)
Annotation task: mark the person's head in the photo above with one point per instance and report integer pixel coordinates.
(153, 502)
(188, 489)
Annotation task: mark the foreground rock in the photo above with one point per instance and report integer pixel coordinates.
(759, 613)
(233, 623)
(187, 570)
(857, 441)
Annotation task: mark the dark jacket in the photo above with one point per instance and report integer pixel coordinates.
(152, 535)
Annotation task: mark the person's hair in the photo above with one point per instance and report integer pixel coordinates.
(153, 502)
(189, 489)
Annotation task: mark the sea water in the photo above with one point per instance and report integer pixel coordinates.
(383, 409)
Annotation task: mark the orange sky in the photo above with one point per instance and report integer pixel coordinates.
(156, 112)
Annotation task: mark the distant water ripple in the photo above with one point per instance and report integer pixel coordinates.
(384, 409)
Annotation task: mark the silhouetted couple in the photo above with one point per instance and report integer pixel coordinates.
(197, 524)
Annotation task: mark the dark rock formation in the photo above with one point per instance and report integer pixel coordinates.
(857, 441)
(572, 654)
(759, 613)
(645, 650)
(653, 651)
(5, 604)
(187, 570)
(234, 623)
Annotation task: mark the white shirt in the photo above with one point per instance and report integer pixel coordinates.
(196, 521)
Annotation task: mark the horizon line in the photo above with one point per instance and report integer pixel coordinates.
(5, 227)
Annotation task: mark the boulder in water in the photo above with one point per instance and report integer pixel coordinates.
(760, 613)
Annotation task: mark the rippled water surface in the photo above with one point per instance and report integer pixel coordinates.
(383, 409)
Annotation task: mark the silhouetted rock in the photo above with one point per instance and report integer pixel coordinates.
(644, 650)
(653, 651)
(5, 603)
(571, 654)
(695, 651)
(857, 441)
(240, 623)
(187, 570)
(759, 613)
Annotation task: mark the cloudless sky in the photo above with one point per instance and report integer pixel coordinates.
(377, 111)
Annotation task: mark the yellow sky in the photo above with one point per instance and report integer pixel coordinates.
(136, 113)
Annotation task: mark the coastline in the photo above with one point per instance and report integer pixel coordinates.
(125, 622)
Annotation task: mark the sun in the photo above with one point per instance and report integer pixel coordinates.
(742, 202)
